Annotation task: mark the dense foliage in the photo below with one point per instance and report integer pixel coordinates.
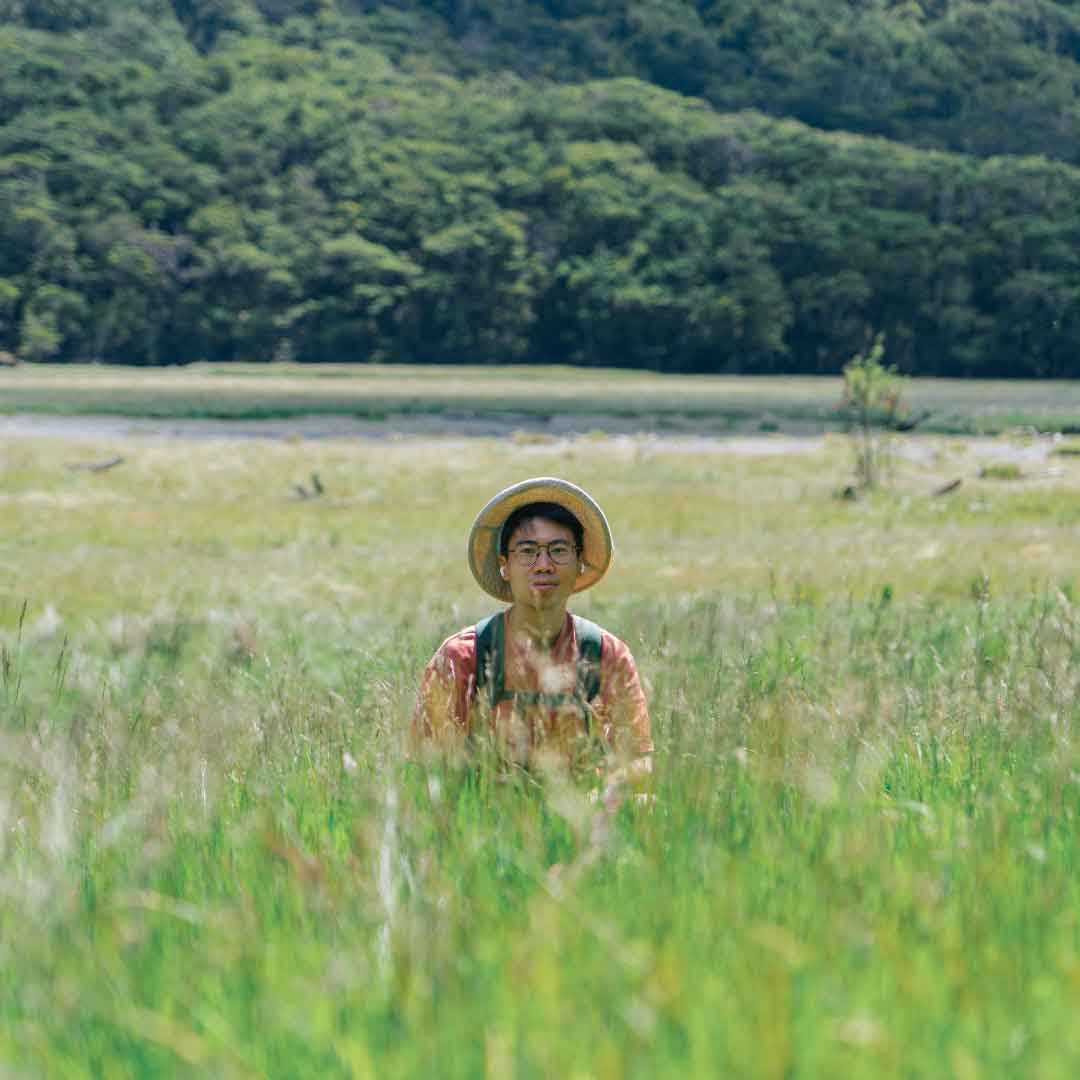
(465, 180)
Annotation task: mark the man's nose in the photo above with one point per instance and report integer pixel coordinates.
(544, 555)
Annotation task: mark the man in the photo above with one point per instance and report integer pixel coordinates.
(543, 685)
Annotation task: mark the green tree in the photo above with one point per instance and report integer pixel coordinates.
(873, 397)
(359, 300)
(53, 317)
(54, 15)
(132, 286)
(476, 296)
(9, 306)
(207, 21)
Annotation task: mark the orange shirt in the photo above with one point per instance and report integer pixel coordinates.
(448, 708)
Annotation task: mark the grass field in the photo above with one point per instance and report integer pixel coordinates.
(215, 859)
(529, 396)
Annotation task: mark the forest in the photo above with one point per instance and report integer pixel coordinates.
(709, 186)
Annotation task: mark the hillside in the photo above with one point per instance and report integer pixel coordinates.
(710, 187)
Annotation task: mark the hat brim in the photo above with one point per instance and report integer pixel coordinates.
(487, 529)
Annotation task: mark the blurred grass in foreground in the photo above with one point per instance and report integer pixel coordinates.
(527, 395)
(862, 859)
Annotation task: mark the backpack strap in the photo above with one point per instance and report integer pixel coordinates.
(490, 657)
(491, 661)
(590, 644)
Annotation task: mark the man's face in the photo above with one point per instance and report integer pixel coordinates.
(545, 583)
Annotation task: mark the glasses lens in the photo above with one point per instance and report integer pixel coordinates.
(526, 554)
(559, 551)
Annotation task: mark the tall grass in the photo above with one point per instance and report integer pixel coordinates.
(216, 858)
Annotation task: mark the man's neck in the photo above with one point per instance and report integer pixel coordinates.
(540, 627)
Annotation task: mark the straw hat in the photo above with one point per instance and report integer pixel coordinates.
(487, 530)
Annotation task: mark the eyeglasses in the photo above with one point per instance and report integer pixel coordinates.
(561, 552)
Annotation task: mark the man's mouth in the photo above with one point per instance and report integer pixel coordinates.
(544, 583)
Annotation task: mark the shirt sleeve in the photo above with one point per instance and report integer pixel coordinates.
(624, 712)
(441, 715)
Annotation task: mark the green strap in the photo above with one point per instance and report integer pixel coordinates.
(590, 640)
(490, 656)
(491, 661)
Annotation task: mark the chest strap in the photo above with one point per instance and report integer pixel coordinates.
(491, 666)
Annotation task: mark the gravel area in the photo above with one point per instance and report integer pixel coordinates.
(684, 437)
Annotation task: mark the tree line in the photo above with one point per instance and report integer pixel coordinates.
(463, 181)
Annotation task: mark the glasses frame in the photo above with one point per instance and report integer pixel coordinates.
(518, 555)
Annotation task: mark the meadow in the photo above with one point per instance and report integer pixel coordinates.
(535, 397)
(217, 858)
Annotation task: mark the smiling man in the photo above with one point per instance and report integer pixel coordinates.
(541, 683)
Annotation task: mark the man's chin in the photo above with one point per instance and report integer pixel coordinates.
(544, 598)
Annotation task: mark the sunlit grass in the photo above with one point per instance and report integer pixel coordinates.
(587, 398)
(214, 858)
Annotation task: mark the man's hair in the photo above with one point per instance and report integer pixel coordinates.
(553, 512)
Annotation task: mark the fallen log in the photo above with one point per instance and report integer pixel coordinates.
(95, 466)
